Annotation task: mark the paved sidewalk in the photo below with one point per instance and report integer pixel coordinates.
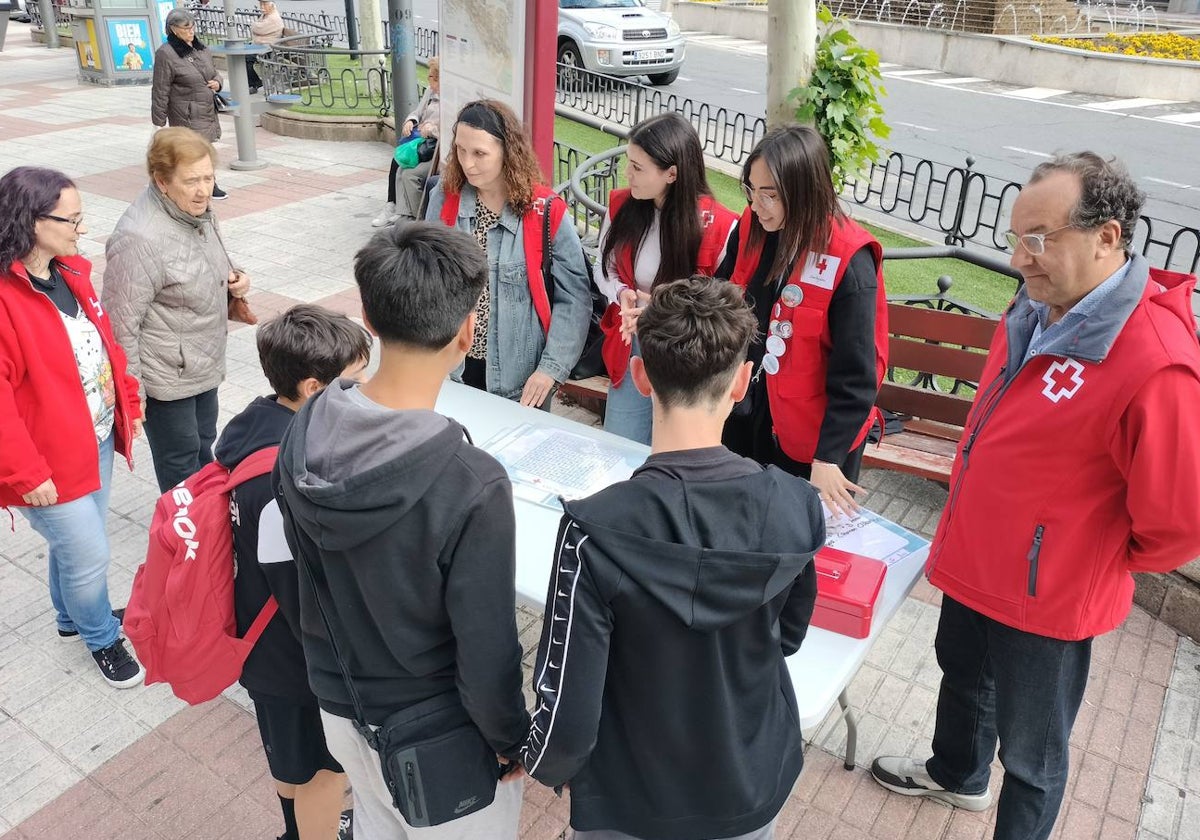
(80, 760)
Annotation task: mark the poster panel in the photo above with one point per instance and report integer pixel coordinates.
(129, 40)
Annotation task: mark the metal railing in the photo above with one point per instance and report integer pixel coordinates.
(970, 208)
(724, 134)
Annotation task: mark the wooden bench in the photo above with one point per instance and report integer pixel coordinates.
(590, 393)
(932, 342)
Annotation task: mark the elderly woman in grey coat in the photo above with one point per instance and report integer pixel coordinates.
(167, 287)
(185, 81)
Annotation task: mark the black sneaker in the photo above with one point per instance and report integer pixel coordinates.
(68, 635)
(219, 194)
(346, 825)
(118, 667)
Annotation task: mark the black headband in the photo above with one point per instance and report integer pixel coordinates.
(483, 117)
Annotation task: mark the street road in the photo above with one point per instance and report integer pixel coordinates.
(1006, 136)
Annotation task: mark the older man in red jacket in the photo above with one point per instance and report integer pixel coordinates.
(1080, 464)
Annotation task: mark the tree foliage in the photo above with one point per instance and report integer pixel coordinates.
(841, 98)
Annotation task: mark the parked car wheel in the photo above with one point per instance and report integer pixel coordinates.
(660, 79)
(570, 62)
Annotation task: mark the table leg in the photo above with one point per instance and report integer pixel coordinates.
(851, 730)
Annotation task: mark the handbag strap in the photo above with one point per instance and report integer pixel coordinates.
(547, 253)
(360, 718)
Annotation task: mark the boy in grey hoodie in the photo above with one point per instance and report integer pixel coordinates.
(409, 532)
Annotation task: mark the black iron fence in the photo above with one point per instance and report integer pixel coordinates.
(725, 134)
(969, 207)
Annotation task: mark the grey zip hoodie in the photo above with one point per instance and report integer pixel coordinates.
(409, 532)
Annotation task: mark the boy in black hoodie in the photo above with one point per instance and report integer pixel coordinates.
(301, 352)
(663, 697)
(409, 534)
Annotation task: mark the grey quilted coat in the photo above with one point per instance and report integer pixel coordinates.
(164, 289)
(180, 96)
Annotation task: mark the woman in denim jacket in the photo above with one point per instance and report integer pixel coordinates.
(493, 177)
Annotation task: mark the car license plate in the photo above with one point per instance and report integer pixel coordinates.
(650, 55)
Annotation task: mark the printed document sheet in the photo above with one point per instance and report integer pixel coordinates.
(545, 463)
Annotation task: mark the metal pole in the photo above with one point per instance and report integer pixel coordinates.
(49, 24)
(352, 24)
(404, 61)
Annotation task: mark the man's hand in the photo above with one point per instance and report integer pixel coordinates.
(137, 427)
(427, 129)
(537, 388)
(513, 771)
(239, 283)
(408, 127)
(44, 495)
(835, 488)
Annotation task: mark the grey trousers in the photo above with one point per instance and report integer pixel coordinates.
(767, 832)
(376, 819)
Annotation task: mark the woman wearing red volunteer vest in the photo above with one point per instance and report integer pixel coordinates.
(66, 405)
(814, 278)
(664, 227)
(527, 339)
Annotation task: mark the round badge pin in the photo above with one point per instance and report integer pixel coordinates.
(784, 330)
(771, 364)
(791, 295)
(773, 328)
(775, 346)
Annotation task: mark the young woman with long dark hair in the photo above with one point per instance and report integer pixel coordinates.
(665, 226)
(815, 279)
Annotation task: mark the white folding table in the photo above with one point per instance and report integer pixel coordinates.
(826, 662)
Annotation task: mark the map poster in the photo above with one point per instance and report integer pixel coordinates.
(482, 49)
(129, 43)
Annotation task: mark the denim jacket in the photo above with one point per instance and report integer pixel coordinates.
(516, 345)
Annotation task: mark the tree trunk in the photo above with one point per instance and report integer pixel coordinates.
(791, 51)
(370, 32)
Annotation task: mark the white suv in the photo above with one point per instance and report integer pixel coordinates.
(618, 38)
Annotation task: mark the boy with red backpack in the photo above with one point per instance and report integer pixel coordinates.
(301, 352)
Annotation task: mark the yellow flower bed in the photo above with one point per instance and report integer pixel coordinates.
(1160, 45)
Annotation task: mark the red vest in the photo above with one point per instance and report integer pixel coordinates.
(1051, 506)
(797, 393)
(531, 228)
(715, 221)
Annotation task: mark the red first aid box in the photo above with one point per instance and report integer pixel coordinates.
(848, 586)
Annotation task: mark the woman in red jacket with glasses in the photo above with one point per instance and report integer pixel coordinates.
(66, 405)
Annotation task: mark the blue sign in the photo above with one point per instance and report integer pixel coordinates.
(129, 42)
(164, 9)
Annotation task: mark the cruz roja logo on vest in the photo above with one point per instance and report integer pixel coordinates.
(1063, 380)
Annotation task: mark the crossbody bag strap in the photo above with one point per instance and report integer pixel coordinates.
(360, 718)
(547, 252)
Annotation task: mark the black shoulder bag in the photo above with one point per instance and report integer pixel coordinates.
(591, 362)
(433, 778)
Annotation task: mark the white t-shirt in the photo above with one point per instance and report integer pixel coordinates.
(645, 264)
(95, 371)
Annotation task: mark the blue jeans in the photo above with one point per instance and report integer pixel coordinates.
(1018, 687)
(181, 435)
(627, 413)
(75, 532)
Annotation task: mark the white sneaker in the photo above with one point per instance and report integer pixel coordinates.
(902, 775)
(386, 216)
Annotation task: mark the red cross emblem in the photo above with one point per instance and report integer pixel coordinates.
(96, 305)
(822, 265)
(1063, 380)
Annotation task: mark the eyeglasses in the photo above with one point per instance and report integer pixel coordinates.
(1034, 243)
(184, 26)
(765, 201)
(75, 223)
